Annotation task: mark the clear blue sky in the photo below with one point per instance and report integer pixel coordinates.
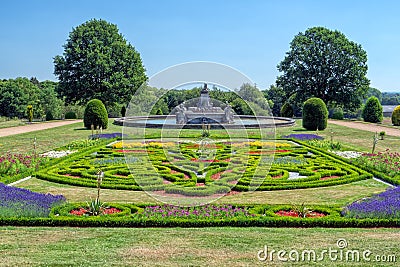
(251, 36)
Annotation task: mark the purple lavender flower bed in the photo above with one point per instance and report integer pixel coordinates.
(18, 202)
(303, 137)
(107, 136)
(207, 211)
(385, 205)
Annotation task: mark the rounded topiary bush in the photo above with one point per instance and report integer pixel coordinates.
(396, 116)
(287, 110)
(372, 111)
(70, 115)
(95, 114)
(315, 114)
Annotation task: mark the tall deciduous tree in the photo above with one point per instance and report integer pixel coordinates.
(325, 64)
(277, 96)
(15, 95)
(98, 63)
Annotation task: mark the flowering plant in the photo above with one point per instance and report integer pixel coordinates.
(303, 137)
(18, 202)
(207, 211)
(386, 162)
(11, 164)
(383, 206)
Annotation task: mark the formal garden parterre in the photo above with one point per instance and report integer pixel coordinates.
(173, 167)
(178, 167)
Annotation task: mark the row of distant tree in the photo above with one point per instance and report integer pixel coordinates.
(386, 98)
(16, 94)
(98, 62)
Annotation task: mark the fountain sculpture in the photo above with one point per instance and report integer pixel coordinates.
(205, 112)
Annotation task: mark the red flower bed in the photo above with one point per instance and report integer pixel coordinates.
(111, 211)
(82, 211)
(78, 212)
(292, 213)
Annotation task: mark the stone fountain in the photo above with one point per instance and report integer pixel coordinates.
(204, 112)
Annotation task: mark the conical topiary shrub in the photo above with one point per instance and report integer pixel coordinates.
(373, 111)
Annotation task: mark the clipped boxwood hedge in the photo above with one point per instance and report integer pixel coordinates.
(263, 217)
(320, 169)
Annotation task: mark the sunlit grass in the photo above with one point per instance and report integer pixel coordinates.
(333, 195)
(228, 246)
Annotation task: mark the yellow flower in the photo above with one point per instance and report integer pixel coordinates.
(268, 144)
(121, 144)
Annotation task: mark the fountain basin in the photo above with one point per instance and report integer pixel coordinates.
(169, 122)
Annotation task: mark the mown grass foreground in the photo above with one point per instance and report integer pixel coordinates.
(227, 246)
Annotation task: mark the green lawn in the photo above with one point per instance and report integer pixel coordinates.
(11, 123)
(40, 246)
(49, 139)
(339, 195)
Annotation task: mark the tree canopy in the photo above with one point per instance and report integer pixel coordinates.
(16, 94)
(325, 64)
(278, 98)
(98, 63)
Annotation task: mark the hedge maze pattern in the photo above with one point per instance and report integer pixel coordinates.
(196, 169)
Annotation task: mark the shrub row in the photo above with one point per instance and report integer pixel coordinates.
(258, 221)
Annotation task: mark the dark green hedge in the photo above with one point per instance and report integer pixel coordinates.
(260, 221)
(70, 115)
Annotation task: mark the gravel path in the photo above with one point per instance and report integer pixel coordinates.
(371, 127)
(34, 127)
